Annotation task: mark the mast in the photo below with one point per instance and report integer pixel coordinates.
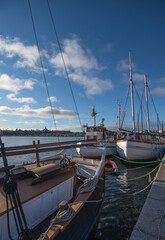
(132, 95)
(119, 116)
(138, 122)
(141, 117)
(146, 91)
(157, 122)
(94, 115)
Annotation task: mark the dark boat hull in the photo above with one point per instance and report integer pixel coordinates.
(83, 225)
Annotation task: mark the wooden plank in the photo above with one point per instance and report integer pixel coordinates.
(31, 151)
(44, 145)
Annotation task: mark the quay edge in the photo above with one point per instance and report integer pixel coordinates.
(150, 225)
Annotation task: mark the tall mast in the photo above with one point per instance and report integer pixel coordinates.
(119, 116)
(146, 91)
(138, 122)
(141, 117)
(157, 122)
(132, 96)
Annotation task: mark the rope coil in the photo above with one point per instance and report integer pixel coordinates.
(87, 186)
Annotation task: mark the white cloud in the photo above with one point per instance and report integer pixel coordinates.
(122, 65)
(138, 77)
(13, 98)
(81, 66)
(75, 56)
(159, 91)
(92, 85)
(39, 122)
(15, 48)
(52, 99)
(26, 111)
(15, 84)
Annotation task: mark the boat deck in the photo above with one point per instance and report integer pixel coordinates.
(150, 224)
(28, 190)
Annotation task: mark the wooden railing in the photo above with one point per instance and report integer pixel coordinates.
(45, 147)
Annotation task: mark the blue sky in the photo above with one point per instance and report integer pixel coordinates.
(95, 38)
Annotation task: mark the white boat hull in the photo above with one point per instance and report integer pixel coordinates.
(37, 209)
(139, 151)
(96, 151)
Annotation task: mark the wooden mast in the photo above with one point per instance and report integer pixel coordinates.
(146, 91)
(119, 117)
(132, 95)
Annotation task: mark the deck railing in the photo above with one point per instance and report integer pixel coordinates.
(37, 148)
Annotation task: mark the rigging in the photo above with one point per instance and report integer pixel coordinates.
(41, 62)
(65, 67)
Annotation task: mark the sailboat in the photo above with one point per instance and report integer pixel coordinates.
(140, 146)
(98, 134)
(57, 198)
(60, 190)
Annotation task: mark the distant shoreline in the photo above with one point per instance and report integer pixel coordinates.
(42, 133)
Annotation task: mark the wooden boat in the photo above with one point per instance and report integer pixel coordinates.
(55, 182)
(98, 134)
(140, 146)
(139, 150)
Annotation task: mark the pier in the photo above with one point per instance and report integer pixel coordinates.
(150, 225)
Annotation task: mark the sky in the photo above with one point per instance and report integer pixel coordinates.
(95, 38)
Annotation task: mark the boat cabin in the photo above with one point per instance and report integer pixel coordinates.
(95, 133)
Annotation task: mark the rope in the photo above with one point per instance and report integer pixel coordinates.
(62, 57)
(87, 186)
(148, 162)
(41, 62)
(130, 169)
(61, 216)
(132, 179)
(142, 190)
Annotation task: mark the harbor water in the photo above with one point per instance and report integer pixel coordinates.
(124, 197)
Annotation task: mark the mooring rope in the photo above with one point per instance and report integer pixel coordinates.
(87, 186)
(137, 168)
(62, 216)
(132, 179)
(142, 190)
(148, 162)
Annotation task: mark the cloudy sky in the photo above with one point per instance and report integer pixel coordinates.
(95, 38)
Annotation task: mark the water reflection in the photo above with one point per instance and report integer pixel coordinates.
(121, 208)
